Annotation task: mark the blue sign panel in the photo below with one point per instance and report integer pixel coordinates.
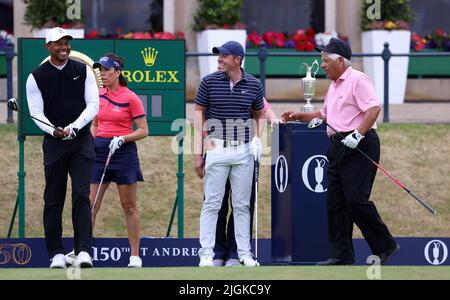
(299, 185)
(172, 252)
(114, 252)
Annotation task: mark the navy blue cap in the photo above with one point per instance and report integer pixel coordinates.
(107, 62)
(230, 47)
(337, 46)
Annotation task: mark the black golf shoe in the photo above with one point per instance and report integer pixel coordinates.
(335, 262)
(385, 256)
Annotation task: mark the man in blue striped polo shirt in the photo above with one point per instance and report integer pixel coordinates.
(225, 103)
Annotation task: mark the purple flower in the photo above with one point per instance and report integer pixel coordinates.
(289, 44)
(432, 44)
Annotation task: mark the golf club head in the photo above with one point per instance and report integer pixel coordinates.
(12, 104)
(314, 123)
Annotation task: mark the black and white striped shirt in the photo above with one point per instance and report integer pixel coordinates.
(229, 110)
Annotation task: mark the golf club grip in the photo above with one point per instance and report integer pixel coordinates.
(424, 204)
(256, 170)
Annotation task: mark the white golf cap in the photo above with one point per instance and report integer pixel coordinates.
(55, 34)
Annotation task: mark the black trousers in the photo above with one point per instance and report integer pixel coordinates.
(61, 158)
(225, 246)
(350, 180)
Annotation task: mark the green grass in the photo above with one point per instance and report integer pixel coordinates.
(237, 273)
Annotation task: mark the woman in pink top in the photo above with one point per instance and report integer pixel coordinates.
(119, 108)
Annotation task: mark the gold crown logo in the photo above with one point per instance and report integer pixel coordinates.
(149, 54)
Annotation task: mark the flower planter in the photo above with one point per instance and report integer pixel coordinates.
(77, 33)
(429, 66)
(210, 38)
(399, 42)
(2, 66)
(281, 66)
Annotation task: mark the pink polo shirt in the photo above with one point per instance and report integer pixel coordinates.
(117, 111)
(346, 101)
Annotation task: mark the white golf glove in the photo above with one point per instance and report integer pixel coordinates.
(72, 132)
(352, 140)
(256, 148)
(116, 143)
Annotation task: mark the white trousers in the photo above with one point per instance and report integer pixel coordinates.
(221, 163)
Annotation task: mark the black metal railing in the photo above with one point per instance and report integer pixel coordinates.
(262, 55)
(386, 55)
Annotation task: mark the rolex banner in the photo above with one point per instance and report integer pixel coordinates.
(154, 69)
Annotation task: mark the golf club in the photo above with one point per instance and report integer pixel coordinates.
(256, 208)
(316, 122)
(101, 180)
(12, 105)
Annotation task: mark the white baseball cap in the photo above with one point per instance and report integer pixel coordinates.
(55, 34)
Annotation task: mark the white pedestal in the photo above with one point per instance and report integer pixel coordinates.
(399, 42)
(76, 33)
(208, 39)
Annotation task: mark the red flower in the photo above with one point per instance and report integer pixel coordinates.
(439, 32)
(180, 35)
(417, 41)
(310, 32)
(92, 35)
(274, 39)
(164, 36)
(309, 46)
(142, 35)
(254, 39)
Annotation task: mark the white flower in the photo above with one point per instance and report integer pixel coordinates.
(323, 38)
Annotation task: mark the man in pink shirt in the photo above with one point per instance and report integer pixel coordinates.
(351, 108)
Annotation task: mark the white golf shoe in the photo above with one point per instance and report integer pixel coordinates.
(71, 258)
(232, 262)
(206, 261)
(58, 262)
(84, 260)
(248, 261)
(218, 262)
(135, 262)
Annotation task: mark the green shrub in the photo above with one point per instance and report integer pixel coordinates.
(395, 14)
(49, 13)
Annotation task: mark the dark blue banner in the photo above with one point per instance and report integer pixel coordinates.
(172, 252)
(299, 185)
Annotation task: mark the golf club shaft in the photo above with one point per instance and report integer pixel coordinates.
(256, 206)
(101, 181)
(14, 107)
(422, 202)
(34, 118)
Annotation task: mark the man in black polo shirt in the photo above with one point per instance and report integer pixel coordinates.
(225, 103)
(64, 93)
